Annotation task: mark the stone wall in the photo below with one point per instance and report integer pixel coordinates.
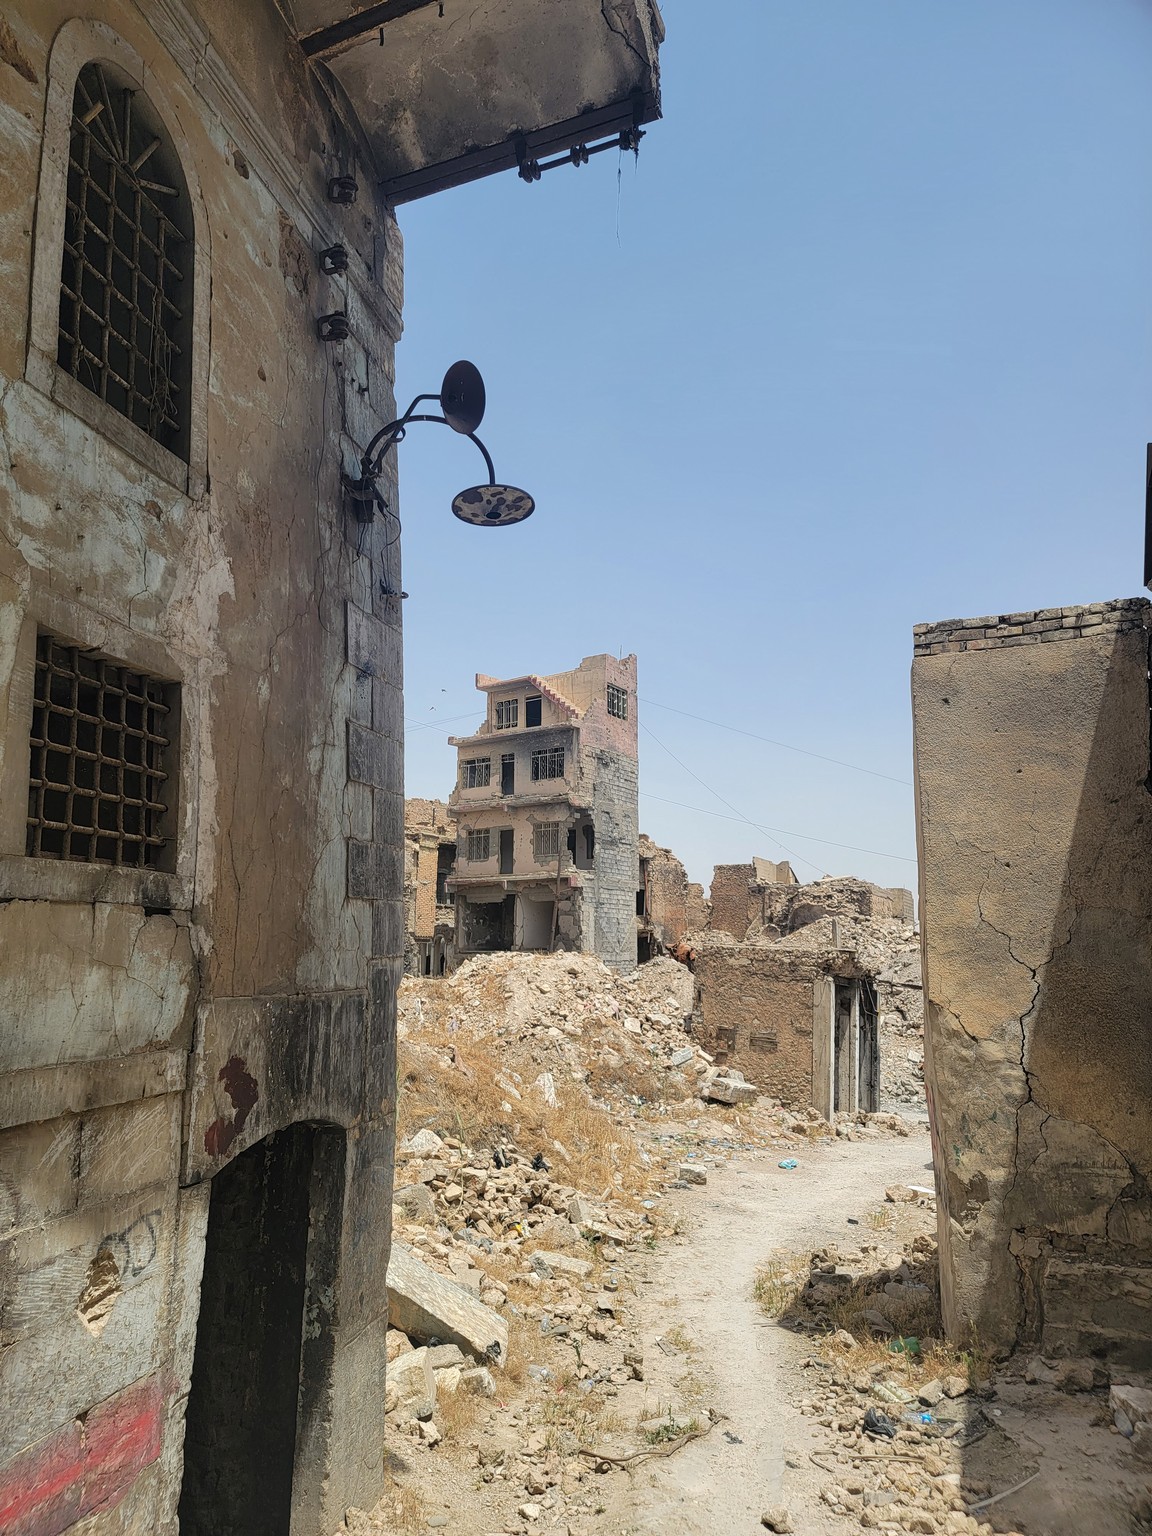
(673, 906)
(257, 967)
(755, 1011)
(1032, 778)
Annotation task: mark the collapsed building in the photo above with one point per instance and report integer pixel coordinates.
(1035, 833)
(430, 845)
(547, 811)
(812, 991)
(201, 718)
(669, 906)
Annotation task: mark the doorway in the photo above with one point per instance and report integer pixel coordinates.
(507, 850)
(856, 1047)
(247, 1413)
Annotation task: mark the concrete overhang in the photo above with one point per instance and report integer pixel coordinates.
(451, 90)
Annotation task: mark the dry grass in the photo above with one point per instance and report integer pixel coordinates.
(403, 1508)
(778, 1283)
(464, 1100)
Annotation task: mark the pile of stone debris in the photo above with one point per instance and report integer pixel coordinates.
(561, 1018)
(482, 1240)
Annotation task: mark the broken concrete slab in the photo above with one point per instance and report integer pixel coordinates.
(412, 1378)
(564, 1263)
(727, 1090)
(424, 1143)
(425, 1305)
(692, 1173)
(1130, 1406)
(416, 1202)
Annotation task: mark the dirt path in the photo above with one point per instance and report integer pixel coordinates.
(724, 1354)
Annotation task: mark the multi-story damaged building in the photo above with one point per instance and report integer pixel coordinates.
(546, 805)
(429, 902)
(1035, 832)
(806, 988)
(200, 717)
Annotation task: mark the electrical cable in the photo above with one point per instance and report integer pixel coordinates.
(801, 858)
(787, 745)
(807, 836)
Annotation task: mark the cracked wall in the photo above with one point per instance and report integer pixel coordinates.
(157, 1024)
(1035, 831)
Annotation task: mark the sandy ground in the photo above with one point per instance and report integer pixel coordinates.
(699, 1290)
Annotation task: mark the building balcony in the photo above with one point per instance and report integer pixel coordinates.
(448, 92)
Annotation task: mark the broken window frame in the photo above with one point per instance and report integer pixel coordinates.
(506, 714)
(617, 701)
(548, 763)
(475, 772)
(478, 845)
(546, 840)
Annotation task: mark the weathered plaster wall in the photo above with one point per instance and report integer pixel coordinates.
(1035, 830)
(262, 969)
(756, 1012)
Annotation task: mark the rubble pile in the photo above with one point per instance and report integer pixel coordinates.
(557, 1019)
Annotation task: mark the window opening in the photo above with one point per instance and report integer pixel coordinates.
(100, 743)
(507, 714)
(589, 841)
(532, 710)
(548, 763)
(617, 701)
(445, 863)
(479, 846)
(507, 850)
(477, 772)
(546, 840)
(126, 272)
(508, 774)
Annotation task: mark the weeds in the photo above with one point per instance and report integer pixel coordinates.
(777, 1285)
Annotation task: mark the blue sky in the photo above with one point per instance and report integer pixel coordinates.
(862, 339)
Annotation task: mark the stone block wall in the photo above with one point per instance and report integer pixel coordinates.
(755, 1011)
(1035, 831)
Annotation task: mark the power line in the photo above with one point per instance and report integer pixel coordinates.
(787, 745)
(806, 836)
(738, 814)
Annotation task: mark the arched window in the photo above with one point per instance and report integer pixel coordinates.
(126, 276)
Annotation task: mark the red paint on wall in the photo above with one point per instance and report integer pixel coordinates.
(241, 1087)
(85, 1467)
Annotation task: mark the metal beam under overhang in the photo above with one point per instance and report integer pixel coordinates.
(448, 91)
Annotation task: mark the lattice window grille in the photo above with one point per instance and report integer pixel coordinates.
(477, 772)
(101, 737)
(125, 274)
(548, 763)
(507, 714)
(617, 701)
(479, 846)
(546, 840)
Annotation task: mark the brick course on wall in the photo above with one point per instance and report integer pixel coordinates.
(1033, 627)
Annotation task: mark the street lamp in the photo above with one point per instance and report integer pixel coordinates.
(461, 400)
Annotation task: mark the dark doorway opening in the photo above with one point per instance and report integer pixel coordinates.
(246, 1411)
(643, 948)
(508, 774)
(507, 854)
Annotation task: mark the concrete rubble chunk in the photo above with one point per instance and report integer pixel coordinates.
(415, 1384)
(416, 1202)
(425, 1305)
(728, 1090)
(479, 1381)
(692, 1173)
(1132, 1403)
(443, 1356)
(564, 1263)
(423, 1143)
